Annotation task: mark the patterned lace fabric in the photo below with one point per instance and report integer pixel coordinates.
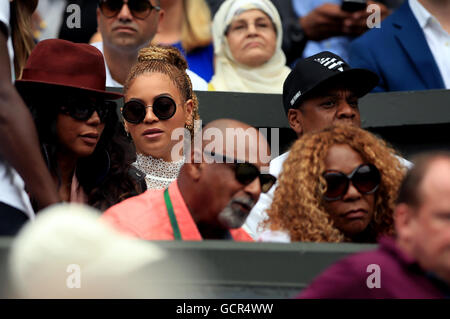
(158, 173)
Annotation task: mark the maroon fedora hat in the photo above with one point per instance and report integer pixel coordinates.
(64, 64)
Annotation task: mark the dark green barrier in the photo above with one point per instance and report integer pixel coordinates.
(221, 269)
(410, 121)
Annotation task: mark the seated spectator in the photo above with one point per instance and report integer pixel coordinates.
(312, 26)
(18, 132)
(321, 91)
(212, 195)
(416, 263)
(336, 185)
(191, 33)
(63, 83)
(319, 25)
(124, 31)
(247, 46)
(159, 80)
(412, 48)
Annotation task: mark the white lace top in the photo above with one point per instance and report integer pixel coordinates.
(158, 173)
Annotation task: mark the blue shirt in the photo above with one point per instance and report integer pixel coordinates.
(337, 45)
(200, 60)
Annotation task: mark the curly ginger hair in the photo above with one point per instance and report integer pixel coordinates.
(298, 206)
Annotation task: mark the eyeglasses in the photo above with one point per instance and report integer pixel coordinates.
(140, 9)
(246, 172)
(134, 111)
(366, 178)
(82, 108)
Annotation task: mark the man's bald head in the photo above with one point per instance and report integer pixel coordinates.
(223, 124)
(219, 190)
(236, 140)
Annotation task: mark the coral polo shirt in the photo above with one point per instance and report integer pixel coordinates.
(146, 217)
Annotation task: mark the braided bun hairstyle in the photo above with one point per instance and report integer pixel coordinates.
(168, 61)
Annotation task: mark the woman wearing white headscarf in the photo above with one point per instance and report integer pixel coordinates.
(247, 46)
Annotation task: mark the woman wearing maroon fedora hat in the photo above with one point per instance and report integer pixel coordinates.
(63, 83)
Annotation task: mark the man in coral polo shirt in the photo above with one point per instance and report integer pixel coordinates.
(213, 194)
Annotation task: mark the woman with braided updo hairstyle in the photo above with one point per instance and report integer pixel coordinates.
(337, 185)
(159, 100)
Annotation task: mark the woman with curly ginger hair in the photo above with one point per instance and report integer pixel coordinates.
(337, 185)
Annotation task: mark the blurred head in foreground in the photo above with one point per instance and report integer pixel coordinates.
(422, 215)
(68, 253)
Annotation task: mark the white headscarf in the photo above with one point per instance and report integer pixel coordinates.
(233, 76)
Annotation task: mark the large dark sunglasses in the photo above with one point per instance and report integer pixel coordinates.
(134, 111)
(246, 172)
(140, 9)
(82, 108)
(366, 178)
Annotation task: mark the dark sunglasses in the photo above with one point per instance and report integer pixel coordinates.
(140, 9)
(246, 172)
(82, 108)
(134, 111)
(366, 178)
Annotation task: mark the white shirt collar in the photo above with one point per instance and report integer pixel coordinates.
(423, 16)
(110, 82)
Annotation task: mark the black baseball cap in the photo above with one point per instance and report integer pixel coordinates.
(319, 71)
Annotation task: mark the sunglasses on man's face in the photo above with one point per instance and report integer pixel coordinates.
(82, 108)
(140, 9)
(134, 111)
(366, 178)
(246, 172)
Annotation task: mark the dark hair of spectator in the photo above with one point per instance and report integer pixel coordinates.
(104, 175)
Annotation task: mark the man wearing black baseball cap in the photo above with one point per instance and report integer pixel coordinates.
(323, 90)
(320, 91)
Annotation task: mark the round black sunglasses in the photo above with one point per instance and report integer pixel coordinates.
(134, 111)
